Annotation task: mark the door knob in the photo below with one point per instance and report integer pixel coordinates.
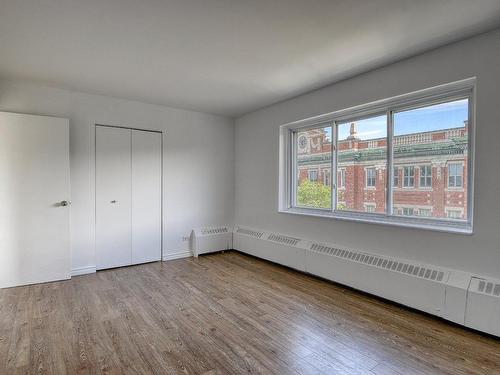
(65, 203)
(113, 201)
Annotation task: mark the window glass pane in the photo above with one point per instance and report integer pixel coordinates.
(425, 176)
(408, 176)
(396, 177)
(314, 156)
(425, 212)
(362, 155)
(341, 181)
(430, 145)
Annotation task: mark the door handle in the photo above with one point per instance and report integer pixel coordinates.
(65, 203)
(113, 201)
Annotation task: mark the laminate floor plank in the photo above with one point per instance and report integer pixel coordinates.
(225, 313)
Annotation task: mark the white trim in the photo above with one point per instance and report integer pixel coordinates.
(83, 270)
(177, 255)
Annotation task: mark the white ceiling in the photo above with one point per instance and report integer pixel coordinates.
(221, 56)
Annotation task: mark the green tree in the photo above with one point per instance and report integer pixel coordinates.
(314, 194)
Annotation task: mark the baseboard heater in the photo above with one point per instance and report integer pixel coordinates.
(211, 239)
(457, 296)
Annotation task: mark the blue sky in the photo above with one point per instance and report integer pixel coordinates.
(440, 116)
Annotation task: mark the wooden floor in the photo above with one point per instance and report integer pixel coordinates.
(224, 314)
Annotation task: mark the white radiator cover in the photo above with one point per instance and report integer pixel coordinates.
(454, 295)
(483, 305)
(211, 239)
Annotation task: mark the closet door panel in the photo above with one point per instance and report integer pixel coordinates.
(146, 196)
(113, 197)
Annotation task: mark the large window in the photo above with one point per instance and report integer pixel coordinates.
(422, 139)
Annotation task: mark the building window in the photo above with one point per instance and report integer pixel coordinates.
(326, 177)
(369, 208)
(408, 176)
(424, 212)
(420, 130)
(454, 214)
(313, 176)
(342, 178)
(395, 177)
(407, 211)
(455, 175)
(371, 179)
(425, 176)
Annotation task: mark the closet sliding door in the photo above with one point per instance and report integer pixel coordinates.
(113, 197)
(128, 196)
(146, 196)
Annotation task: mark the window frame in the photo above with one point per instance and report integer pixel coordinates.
(309, 174)
(342, 173)
(367, 178)
(326, 177)
(424, 176)
(464, 89)
(455, 187)
(395, 178)
(410, 177)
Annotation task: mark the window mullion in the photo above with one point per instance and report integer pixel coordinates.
(390, 164)
(293, 170)
(333, 167)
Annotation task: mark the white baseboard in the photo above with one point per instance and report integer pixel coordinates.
(83, 270)
(177, 255)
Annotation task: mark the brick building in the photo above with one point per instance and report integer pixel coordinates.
(430, 171)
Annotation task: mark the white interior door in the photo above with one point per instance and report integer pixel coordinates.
(113, 197)
(34, 180)
(146, 196)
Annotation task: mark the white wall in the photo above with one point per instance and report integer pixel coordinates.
(256, 165)
(198, 159)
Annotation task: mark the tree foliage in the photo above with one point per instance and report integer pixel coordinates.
(314, 194)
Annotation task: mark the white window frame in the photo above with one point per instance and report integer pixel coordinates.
(460, 164)
(409, 177)
(425, 177)
(326, 177)
(425, 208)
(447, 210)
(372, 206)
(311, 171)
(374, 169)
(464, 89)
(395, 178)
(342, 173)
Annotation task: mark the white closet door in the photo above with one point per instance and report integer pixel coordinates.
(113, 197)
(146, 196)
(34, 195)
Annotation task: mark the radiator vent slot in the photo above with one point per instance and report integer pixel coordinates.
(381, 262)
(249, 232)
(284, 240)
(489, 288)
(212, 231)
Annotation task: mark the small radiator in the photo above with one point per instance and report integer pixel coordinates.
(212, 239)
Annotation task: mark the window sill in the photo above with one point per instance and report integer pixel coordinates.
(377, 218)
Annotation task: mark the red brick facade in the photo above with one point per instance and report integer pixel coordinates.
(430, 171)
